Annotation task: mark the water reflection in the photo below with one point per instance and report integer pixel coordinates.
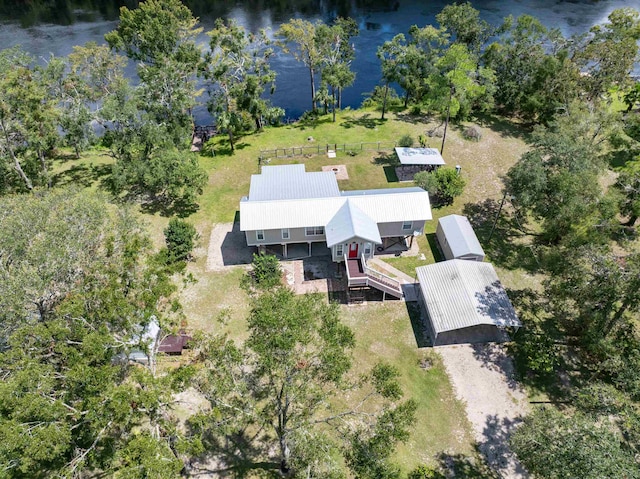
(44, 26)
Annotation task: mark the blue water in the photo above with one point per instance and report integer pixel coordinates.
(293, 84)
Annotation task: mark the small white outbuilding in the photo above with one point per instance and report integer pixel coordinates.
(457, 239)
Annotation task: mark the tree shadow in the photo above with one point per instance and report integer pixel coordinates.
(364, 120)
(509, 247)
(81, 174)
(503, 126)
(388, 161)
(236, 456)
(305, 123)
(495, 445)
(408, 117)
(459, 465)
(167, 208)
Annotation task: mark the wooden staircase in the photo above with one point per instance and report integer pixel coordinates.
(361, 275)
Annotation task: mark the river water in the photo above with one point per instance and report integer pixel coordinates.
(379, 21)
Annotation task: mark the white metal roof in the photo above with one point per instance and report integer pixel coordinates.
(419, 156)
(460, 294)
(401, 204)
(285, 182)
(460, 236)
(351, 222)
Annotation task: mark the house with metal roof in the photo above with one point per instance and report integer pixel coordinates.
(464, 302)
(457, 239)
(288, 205)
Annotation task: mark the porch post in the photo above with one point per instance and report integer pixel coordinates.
(309, 248)
(384, 296)
(284, 250)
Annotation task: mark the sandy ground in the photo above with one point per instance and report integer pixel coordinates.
(482, 376)
(227, 247)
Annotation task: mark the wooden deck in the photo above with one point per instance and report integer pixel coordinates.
(355, 268)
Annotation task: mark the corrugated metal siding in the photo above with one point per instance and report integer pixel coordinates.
(288, 182)
(351, 222)
(419, 156)
(459, 294)
(461, 238)
(298, 213)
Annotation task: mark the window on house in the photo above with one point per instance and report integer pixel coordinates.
(339, 250)
(367, 248)
(285, 233)
(314, 230)
(407, 225)
(260, 235)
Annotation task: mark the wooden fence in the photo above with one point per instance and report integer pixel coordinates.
(296, 151)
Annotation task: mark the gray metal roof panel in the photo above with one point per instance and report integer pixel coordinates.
(419, 156)
(286, 182)
(460, 235)
(351, 222)
(460, 294)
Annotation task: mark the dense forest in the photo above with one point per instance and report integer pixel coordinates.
(80, 282)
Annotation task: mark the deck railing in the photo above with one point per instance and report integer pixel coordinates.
(379, 276)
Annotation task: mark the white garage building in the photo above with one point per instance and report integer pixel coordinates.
(465, 302)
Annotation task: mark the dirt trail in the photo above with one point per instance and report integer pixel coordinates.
(483, 378)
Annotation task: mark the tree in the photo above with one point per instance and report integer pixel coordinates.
(77, 291)
(28, 118)
(298, 38)
(574, 446)
(535, 76)
(445, 184)
(280, 385)
(557, 181)
(180, 237)
(608, 53)
(265, 273)
(338, 53)
(464, 23)
(628, 183)
(160, 36)
(391, 55)
(596, 289)
(238, 70)
(93, 72)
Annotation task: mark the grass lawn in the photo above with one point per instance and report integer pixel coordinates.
(384, 333)
(383, 330)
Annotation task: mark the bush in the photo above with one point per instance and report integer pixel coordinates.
(376, 98)
(444, 184)
(425, 472)
(265, 272)
(405, 141)
(180, 238)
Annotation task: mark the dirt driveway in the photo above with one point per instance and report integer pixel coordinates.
(227, 247)
(483, 378)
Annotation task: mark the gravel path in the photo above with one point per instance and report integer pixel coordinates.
(482, 376)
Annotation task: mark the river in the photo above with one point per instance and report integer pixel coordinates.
(379, 21)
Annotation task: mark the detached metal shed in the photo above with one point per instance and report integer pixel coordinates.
(465, 302)
(457, 239)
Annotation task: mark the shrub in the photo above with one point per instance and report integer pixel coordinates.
(444, 184)
(180, 237)
(405, 141)
(425, 472)
(265, 272)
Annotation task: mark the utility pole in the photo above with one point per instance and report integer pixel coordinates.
(504, 197)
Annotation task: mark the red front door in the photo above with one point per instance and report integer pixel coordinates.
(353, 250)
